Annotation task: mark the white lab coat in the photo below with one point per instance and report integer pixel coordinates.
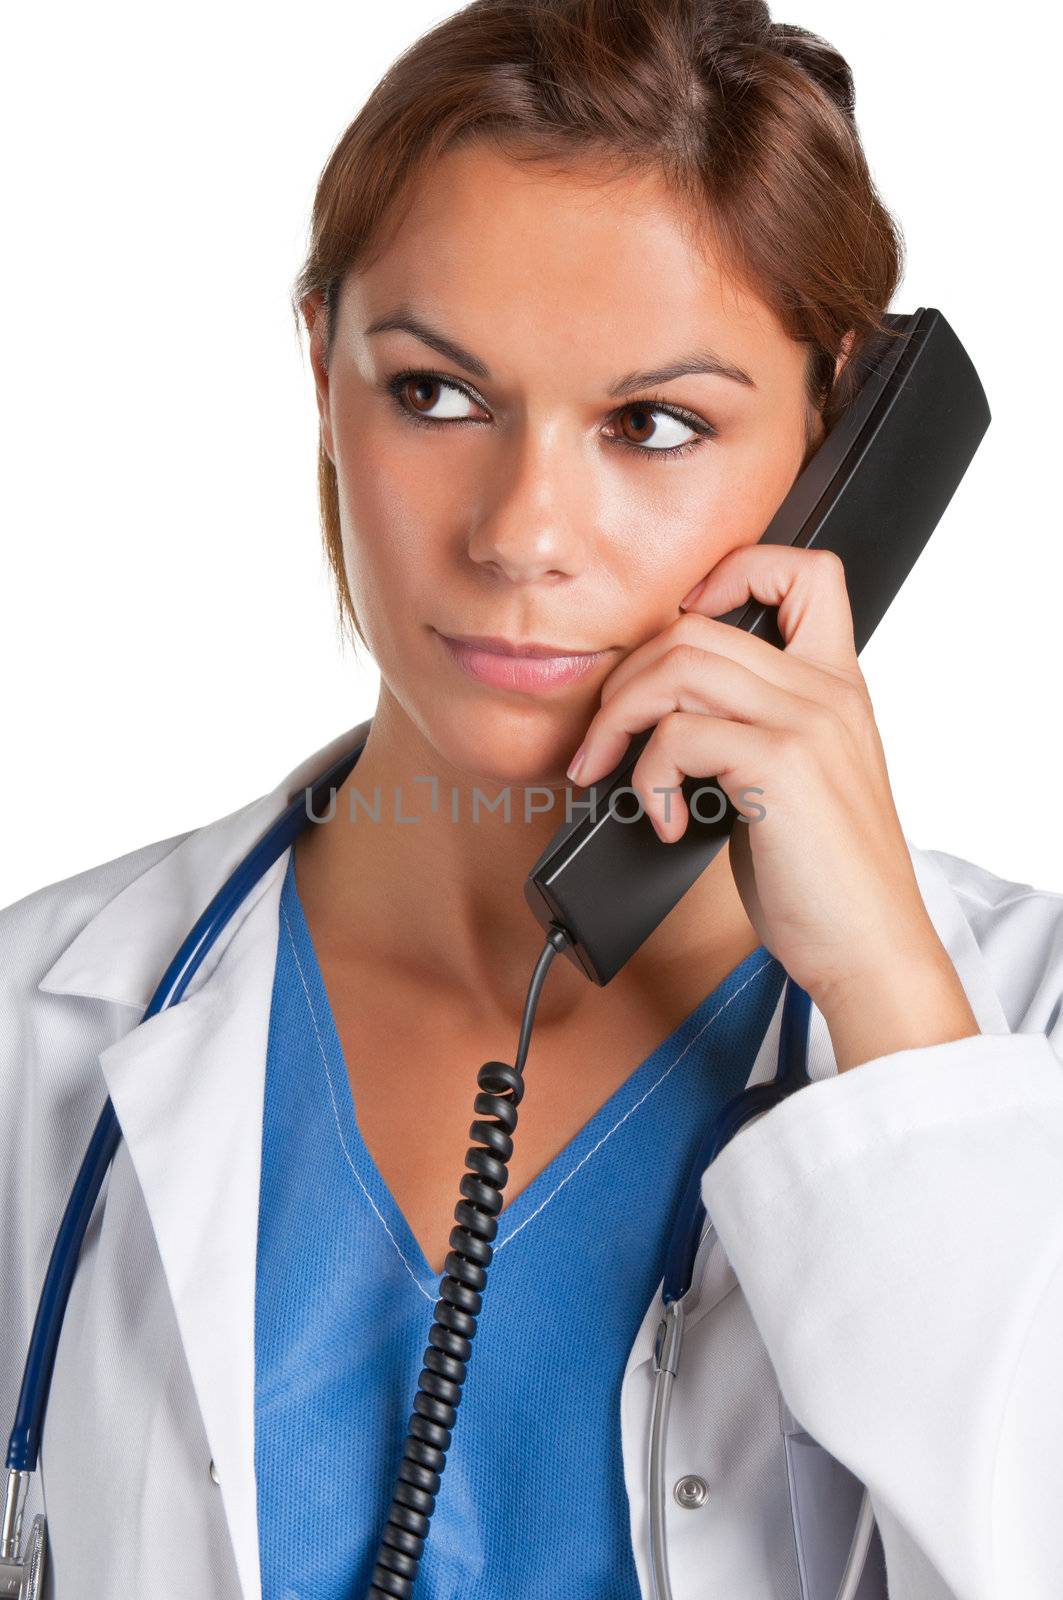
(891, 1261)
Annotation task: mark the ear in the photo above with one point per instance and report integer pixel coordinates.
(844, 352)
(315, 315)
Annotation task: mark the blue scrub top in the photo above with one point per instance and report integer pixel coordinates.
(532, 1503)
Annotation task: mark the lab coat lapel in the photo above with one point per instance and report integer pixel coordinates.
(187, 1087)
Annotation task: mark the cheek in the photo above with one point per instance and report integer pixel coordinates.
(675, 520)
(392, 505)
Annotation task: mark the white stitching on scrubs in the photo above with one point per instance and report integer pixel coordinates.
(655, 1085)
(500, 1243)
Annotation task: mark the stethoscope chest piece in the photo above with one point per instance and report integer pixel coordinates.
(22, 1577)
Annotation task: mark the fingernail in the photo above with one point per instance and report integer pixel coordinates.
(688, 599)
(572, 771)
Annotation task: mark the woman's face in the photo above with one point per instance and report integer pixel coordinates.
(510, 466)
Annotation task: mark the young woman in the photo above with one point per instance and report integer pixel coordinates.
(588, 283)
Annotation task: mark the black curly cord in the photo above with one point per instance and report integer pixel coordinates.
(435, 1405)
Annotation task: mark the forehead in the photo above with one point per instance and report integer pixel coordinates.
(599, 265)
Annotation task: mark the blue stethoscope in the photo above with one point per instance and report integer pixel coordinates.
(22, 1570)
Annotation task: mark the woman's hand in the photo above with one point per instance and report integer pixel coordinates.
(824, 871)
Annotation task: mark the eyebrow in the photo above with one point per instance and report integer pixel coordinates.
(699, 361)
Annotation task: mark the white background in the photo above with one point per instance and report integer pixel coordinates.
(169, 645)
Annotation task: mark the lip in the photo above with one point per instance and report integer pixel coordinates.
(513, 647)
(527, 666)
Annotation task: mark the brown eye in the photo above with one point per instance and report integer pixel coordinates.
(641, 424)
(421, 392)
(655, 428)
(425, 396)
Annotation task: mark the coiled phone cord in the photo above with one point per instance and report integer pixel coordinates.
(439, 1387)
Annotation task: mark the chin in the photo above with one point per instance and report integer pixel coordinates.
(507, 744)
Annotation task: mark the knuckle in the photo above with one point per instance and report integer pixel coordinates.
(831, 570)
(688, 627)
(830, 563)
(669, 727)
(826, 722)
(851, 695)
(791, 745)
(683, 657)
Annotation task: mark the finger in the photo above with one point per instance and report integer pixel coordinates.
(685, 678)
(807, 586)
(729, 753)
(805, 678)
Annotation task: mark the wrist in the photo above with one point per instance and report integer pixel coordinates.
(908, 1002)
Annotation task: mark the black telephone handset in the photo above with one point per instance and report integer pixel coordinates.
(873, 492)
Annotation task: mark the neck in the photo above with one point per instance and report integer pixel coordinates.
(400, 854)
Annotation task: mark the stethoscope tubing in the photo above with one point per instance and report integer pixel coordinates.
(791, 1073)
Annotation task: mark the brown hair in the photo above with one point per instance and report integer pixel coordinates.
(752, 122)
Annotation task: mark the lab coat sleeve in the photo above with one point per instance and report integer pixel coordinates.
(897, 1231)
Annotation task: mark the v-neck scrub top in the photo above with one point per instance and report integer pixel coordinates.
(532, 1503)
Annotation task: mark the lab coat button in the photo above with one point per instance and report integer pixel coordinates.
(212, 1469)
(691, 1491)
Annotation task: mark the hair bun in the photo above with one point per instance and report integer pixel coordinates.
(819, 59)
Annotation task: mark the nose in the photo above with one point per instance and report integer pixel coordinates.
(534, 518)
